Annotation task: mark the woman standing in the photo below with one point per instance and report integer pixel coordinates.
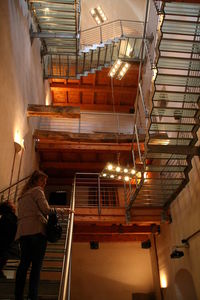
(33, 210)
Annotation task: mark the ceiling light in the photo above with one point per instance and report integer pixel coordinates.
(104, 174)
(133, 172)
(118, 69)
(112, 176)
(125, 170)
(110, 167)
(98, 15)
(126, 178)
(118, 169)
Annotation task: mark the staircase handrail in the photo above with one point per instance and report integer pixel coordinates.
(8, 189)
(105, 31)
(65, 277)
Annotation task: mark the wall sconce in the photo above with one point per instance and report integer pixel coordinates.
(177, 253)
(98, 15)
(118, 69)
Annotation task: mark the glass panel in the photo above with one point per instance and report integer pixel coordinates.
(173, 112)
(184, 9)
(175, 63)
(179, 46)
(171, 127)
(176, 97)
(177, 80)
(180, 27)
(168, 141)
(165, 168)
(165, 156)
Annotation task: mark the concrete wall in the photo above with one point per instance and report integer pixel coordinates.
(182, 275)
(21, 83)
(114, 271)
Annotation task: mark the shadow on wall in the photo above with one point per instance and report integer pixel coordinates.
(184, 286)
(142, 296)
(96, 287)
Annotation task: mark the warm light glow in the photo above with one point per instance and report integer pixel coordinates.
(119, 177)
(139, 174)
(155, 71)
(132, 171)
(98, 15)
(112, 176)
(163, 280)
(92, 11)
(46, 10)
(126, 178)
(118, 169)
(104, 174)
(125, 170)
(145, 176)
(110, 167)
(17, 137)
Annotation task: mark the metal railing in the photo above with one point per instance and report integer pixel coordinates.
(110, 31)
(12, 192)
(64, 292)
(92, 122)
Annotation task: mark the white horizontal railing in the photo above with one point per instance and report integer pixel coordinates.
(110, 31)
(92, 122)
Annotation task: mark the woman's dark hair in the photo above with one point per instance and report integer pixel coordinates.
(7, 207)
(33, 180)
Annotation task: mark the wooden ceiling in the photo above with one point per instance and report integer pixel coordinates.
(63, 154)
(94, 92)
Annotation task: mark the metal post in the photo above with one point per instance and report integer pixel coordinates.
(67, 251)
(99, 198)
(101, 38)
(20, 164)
(121, 26)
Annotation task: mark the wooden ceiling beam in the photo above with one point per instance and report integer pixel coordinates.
(91, 88)
(82, 228)
(96, 107)
(50, 145)
(58, 136)
(52, 111)
(77, 238)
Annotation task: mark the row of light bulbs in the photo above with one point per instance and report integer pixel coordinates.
(119, 69)
(120, 173)
(98, 15)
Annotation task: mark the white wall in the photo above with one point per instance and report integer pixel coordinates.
(21, 83)
(114, 10)
(114, 271)
(182, 274)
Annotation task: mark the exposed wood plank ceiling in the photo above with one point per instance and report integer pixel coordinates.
(94, 91)
(63, 154)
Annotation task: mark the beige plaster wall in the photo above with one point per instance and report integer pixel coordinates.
(114, 271)
(21, 83)
(182, 275)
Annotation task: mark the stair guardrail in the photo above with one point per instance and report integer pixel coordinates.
(13, 191)
(64, 282)
(110, 31)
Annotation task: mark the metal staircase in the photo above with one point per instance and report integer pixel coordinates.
(174, 117)
(52, 278)
(69, 53)
(99, 47)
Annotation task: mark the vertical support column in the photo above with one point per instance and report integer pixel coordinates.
(99, 198)
(155, 268)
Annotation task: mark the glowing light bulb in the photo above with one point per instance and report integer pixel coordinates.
(112, 176)
(110, 167)
(119, 177)
(104, 174)
(125, 170)
(126, 178)
(118, 169)
(132, 171)
(92, 11)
